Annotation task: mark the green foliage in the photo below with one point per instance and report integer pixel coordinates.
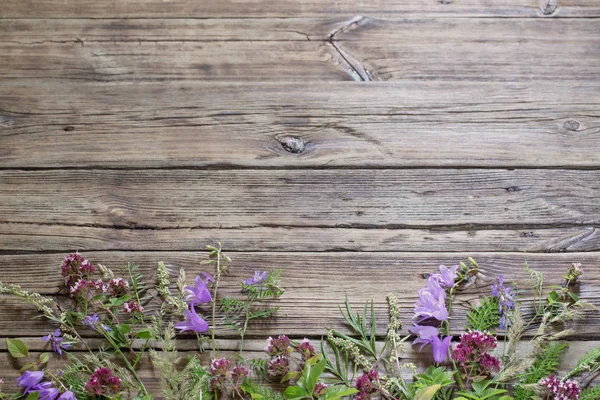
(546, 363)
(311, 375)
(17, 348)
(588, 362)
(364, 325)
(482, 391)
(239, 313)
(438, 378)
(260, 392)
(590, 393)
(341, 366)
(485, 316)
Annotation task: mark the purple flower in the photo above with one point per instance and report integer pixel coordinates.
(193, 322)
(257, 279)
(425, 334)
(68, 395)
(55, 339)
(47, 392)
(90, 320)
(29, 379)
(440, 348)
(447, 276)
(432, 302)
(199, 294)
(506, 299)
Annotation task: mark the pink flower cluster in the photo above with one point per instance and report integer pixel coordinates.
(280, 349)
(103, 383)
(132, 306)
(223, 375)
(562, 390)
(75, 267)
(305, 349)
(367, 384)
(280, 346)
(472, 353)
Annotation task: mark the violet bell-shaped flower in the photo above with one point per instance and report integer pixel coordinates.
(29, 379)
(68, 395)
(425, 334)
(432, 302)
(193, 322)
(46, 391)
(440, 348)
(447, 276)
(199, 293)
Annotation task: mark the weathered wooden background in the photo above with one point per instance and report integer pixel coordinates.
(355, 144)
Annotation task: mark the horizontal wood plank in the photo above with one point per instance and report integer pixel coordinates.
(389, 124)
(291, 8)
(513, 49)
(315, 283)
(53, 238)
(153, 199)
(9, 368)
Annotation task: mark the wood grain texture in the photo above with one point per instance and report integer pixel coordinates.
(513, 49)
(311, 300)
(53, 238)
(391, 124)
(153, 199)
(291, 8)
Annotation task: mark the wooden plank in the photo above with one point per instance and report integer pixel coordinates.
(311, 300)
(389, 124)
(513, 49)
(291, 8)
(9, 368)
(156, 199)
(481, 50)
(27, 238)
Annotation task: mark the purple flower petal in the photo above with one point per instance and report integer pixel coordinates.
(193, 322)
(68, 395)
(440, 348)
(199, 293)
(30, 379)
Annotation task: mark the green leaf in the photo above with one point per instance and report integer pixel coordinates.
(123, 328)
(289, 376)
(44, 358)
(33, 396)
(17, 348)
(295, 393)
(427, 393)
(335, 392)
(143, 334)
(27, 366)
(312, 373)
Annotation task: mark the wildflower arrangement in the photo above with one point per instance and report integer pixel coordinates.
(140, 320)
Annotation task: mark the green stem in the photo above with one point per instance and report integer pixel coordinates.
(127, 363)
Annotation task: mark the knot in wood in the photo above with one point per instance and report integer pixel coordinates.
(572, 125)
(6, 122)
(549, 6)
(69, 128)
(292, 144)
